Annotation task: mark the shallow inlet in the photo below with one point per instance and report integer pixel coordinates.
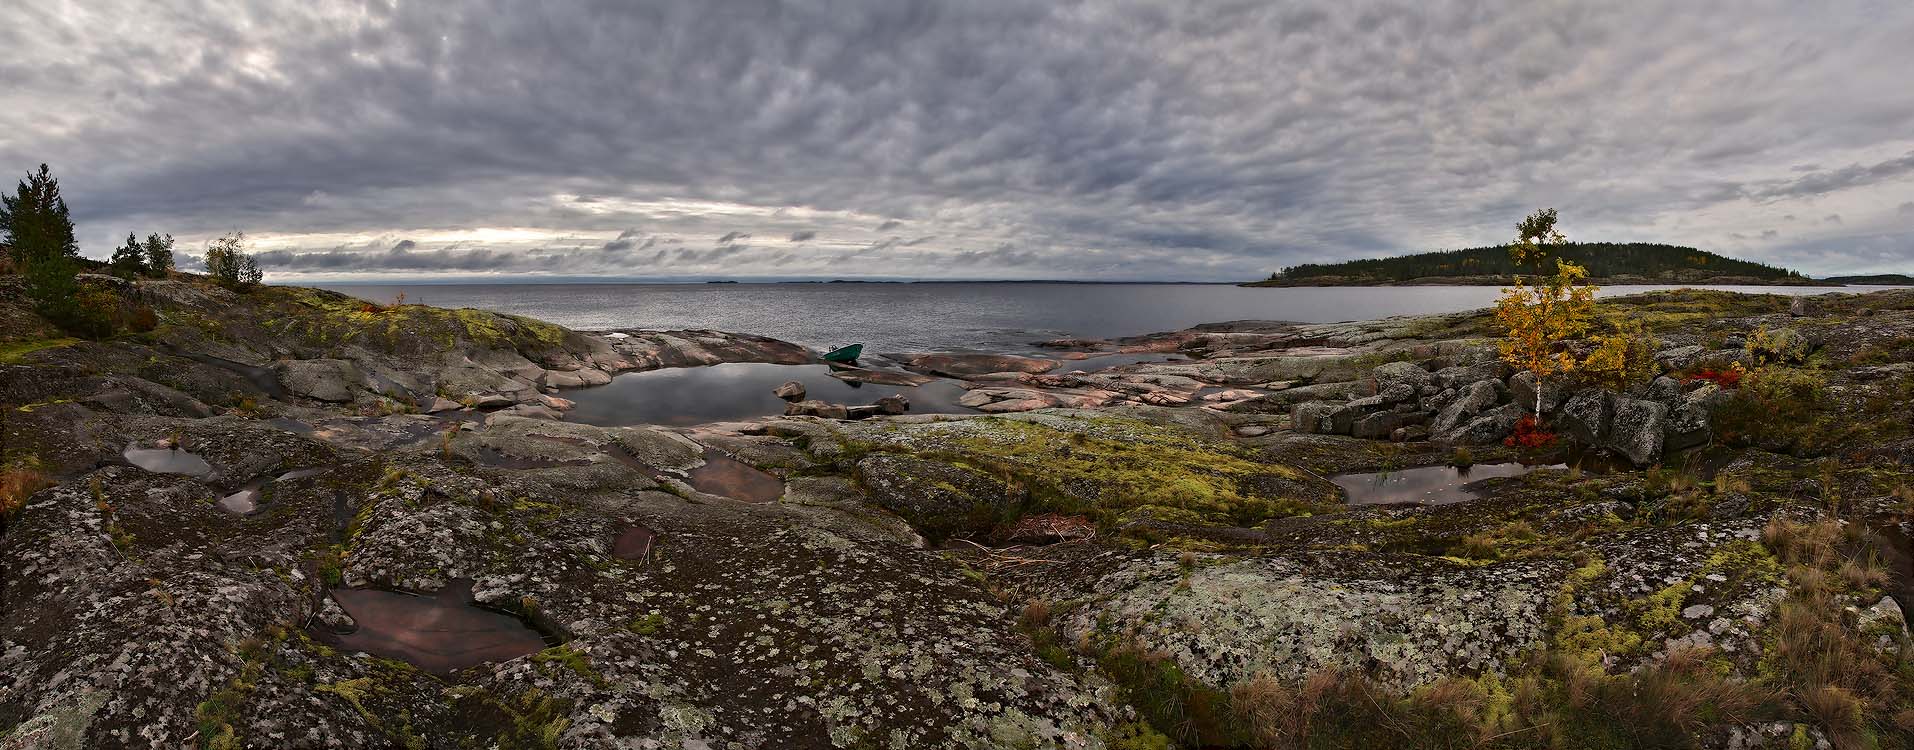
(685, 396)
(441, 633)
(167, 461)
(1429, 485)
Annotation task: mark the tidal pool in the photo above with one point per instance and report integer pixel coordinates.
(168, 461)
(725, 476)
(634, 543)
(686, 396)
(441, 633)
(1430, 485)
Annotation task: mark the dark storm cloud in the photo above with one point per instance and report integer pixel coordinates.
(1147, 139)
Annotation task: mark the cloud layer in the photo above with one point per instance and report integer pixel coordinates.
(1120, 140)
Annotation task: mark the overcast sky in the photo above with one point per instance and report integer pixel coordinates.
(1178, 140)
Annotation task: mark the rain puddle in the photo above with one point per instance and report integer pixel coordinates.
(634, 543)
(725, 476)
(441, 633)
(1897, 553)
(246, 500)
(1430, 485)
(168, 461)
(687, 396)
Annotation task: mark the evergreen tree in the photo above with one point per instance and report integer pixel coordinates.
(34, 221)
(159, 254)
(129, 260)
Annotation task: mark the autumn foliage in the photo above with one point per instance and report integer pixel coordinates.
(1554, 309)
(1529, 433)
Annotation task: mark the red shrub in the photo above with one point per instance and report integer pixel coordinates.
(1728, 378)
(1529, 433)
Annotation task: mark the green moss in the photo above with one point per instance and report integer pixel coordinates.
(1116, 464)
(14, 351)
(576, 661)
(650, 624)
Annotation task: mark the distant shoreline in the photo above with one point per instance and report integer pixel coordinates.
(1625, 280)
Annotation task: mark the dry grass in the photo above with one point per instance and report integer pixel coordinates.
(18, 481)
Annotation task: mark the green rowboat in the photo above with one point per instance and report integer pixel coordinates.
(844, 354)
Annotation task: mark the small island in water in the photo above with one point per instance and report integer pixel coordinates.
(1608, 263)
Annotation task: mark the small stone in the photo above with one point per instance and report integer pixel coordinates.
(790, 391)
(1697, 611)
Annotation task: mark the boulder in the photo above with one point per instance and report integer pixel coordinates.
(815, 408)
(573, 378)
(1401, 373)
(1664, 390)
(893, 404)
(1460, 376)
(1475, 398)
(1585, 417)
(1522, 391)
(1384, 424)
(1324, 417)
(1636, 430)
(1490, 427)
(441, 403)
(320, 379)
(1688, 422)
(790, 391)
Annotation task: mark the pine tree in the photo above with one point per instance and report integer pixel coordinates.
(159, 254)
(129, 260)
(34, 221)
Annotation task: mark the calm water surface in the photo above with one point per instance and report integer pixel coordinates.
(720, 393)
(949, 317)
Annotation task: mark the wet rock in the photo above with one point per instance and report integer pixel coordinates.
(893, 404)
(320, 379)
(790, 391)
(1636, 430)
(334, 616)
(879, 377)
(1005, 400)
(815, 408)
(973, 365)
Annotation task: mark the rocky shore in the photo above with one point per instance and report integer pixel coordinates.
(219, 522)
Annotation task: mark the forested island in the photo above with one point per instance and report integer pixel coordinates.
(1607, 263)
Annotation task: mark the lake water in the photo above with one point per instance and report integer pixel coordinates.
(949, 317)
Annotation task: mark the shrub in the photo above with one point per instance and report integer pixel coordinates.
(1777, 409)
(230, 265)
(1622, 358)
(1729, 378)
(1530, 434)
(58, 297)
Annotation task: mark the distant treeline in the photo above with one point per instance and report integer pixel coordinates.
(1602, 259)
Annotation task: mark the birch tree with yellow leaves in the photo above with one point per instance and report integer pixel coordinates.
(1554, 309)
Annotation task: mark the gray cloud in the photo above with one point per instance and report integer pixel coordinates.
(1152, 139)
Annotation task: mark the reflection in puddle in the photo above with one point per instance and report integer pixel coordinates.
(634, 543)
(718, 393)
(1433, 485)
(725, 476)
(441, 633)
(168, 461)
(246, 500)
